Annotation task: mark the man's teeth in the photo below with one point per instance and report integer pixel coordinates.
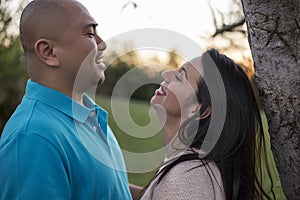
(99, 61)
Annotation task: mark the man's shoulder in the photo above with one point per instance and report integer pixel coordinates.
(34, 117)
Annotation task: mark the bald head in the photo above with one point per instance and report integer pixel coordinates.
(57, 36)
(44, 19)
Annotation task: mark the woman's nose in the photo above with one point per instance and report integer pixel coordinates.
(166, 75)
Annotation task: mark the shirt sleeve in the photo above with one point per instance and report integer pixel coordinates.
(32, 168)
(183, 182)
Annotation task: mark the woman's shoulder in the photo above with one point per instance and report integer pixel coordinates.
(191, 179)
(194, 169)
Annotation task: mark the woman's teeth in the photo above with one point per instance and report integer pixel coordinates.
(160, 92)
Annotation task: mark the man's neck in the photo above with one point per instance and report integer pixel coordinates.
(67, 90)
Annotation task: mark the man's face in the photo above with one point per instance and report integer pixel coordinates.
(80, 50)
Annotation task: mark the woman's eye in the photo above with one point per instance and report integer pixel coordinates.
(179, 76)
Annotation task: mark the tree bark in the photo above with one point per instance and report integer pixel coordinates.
(274, 37)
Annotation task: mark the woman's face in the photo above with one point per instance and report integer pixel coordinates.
(177, 92)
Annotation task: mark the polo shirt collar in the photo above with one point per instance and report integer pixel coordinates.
(64, 103)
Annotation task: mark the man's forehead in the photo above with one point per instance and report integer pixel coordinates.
(80, 15)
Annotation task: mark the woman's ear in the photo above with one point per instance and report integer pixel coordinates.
(195, 110)
(206, 113)
(203, 115)
(44, 50)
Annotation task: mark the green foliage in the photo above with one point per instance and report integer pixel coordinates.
(12, 77)
(116, 70)
(112, 74)
(5, 21)
(12, 65)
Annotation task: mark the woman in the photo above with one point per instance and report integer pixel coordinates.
(204, 162)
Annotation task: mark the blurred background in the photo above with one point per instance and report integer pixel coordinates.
(210, 23)
(216, 24)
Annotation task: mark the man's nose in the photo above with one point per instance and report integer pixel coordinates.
(101, 44)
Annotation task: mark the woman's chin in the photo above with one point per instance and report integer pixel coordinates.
(155, 100)
(152, 101)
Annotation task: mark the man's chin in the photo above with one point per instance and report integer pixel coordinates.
(95, 83)
(101, 80)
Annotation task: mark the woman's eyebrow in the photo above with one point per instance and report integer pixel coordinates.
(183, 69)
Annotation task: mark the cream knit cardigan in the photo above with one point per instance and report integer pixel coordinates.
(180, 183)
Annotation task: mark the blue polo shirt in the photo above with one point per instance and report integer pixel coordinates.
(54, 148)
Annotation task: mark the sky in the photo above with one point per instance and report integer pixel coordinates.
(190, 18)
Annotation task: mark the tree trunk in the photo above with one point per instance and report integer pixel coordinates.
(274, 37)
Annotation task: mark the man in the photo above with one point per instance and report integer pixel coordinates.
(57, 144)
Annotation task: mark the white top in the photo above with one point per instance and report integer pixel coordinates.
(183, 182)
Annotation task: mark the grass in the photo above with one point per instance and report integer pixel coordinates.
(139, 113)
(277, 188)
(132, 142)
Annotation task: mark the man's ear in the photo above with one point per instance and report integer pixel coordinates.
(44, 50)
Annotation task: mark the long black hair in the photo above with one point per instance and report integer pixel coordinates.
(238, 151)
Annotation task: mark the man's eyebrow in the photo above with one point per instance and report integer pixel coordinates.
(93, 25)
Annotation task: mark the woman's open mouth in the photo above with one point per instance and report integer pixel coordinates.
(160, 91)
